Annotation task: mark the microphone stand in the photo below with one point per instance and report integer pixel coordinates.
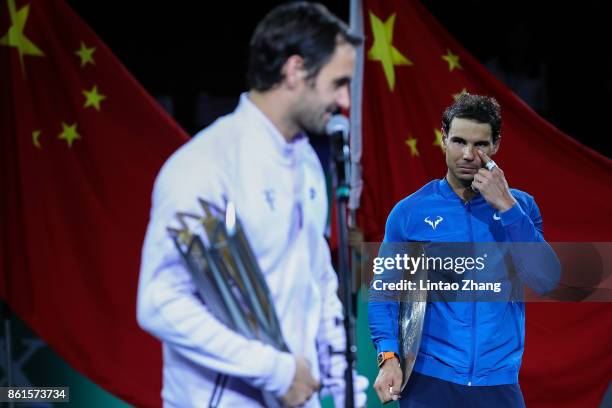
(340, 169)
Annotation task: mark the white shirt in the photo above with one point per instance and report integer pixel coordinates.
(280, 196)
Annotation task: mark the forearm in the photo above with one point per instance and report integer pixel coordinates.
(169, 309)
(536, 263)
(383, 321)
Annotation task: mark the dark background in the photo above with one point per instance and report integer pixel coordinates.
(192, 55)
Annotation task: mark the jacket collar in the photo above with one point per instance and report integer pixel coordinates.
(288, 152)
(447, 192)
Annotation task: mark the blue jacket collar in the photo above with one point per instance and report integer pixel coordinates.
(447, 191)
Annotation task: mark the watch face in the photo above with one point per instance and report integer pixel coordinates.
(380, 358)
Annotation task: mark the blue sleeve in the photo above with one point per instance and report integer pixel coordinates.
(383, 315)
(536, 262)
(384, 325)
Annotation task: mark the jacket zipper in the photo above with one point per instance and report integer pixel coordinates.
(473, 338)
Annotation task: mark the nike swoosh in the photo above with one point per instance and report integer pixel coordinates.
(496, 217)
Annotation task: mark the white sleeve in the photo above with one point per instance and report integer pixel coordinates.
(169, 308)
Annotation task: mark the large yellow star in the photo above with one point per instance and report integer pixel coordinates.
(411, 143)
(383, 50)
(69, 133)
(35, 139)
(452, 59)
(438, 141)
(93, 98)
(15, 37)
(86, 54)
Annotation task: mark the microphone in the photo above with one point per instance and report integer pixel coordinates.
(338, 125)
(337, 129)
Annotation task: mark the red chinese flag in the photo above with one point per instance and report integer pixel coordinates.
(413, 70)
(81, 145)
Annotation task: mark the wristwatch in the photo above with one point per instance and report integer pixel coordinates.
(384, 356)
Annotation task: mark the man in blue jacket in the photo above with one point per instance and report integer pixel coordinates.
(470, 352)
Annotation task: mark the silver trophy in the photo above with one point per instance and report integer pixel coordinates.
(412, 307)
(227, 276)
(411, 317)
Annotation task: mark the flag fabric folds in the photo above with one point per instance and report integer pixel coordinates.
(413, 69)
(81, 144)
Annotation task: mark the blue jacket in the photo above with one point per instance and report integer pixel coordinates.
(469, 343)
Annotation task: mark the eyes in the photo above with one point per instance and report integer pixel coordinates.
(340, 82)
(462, 142)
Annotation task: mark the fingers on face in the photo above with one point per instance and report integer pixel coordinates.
(483, 156)
(483, 173)
(486, 159)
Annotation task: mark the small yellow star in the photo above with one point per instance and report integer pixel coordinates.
(457, 95)
(35, 137)
(411, 142)
(438, 141)
(86, 54)
(452, 59)
(15, 36)
(383, 50)
(93, 98)
(69, 133)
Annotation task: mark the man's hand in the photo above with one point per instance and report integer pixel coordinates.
(493, 186)
(389, 381)
(303, 385)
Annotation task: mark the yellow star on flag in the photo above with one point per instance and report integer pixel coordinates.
(15, 36)
(383, 50)
(35, 137)
(438, 141)
(411, 143)
(93, 98)
(86, 55)
(69, 133)
(452, 59)
(458, 94)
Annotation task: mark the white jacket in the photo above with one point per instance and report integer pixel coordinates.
(280, 196)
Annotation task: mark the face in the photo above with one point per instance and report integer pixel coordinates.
(319, 98)
(464, 137)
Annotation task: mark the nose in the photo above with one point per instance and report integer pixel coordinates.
(343, 100)
(468, 153)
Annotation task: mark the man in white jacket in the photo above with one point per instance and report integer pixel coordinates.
(258, 157)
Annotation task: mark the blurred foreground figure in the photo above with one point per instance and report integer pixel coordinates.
(259, 158)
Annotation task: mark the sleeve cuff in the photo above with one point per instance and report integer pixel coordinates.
(388, 345)
(512, 215)
(282, 376)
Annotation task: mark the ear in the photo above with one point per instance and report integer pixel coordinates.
(293, 71)
(444, 140)
(496, 146)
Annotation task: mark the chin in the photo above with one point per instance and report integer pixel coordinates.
(465, 178)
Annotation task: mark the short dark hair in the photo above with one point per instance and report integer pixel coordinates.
(301, 28)
(479, 108)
